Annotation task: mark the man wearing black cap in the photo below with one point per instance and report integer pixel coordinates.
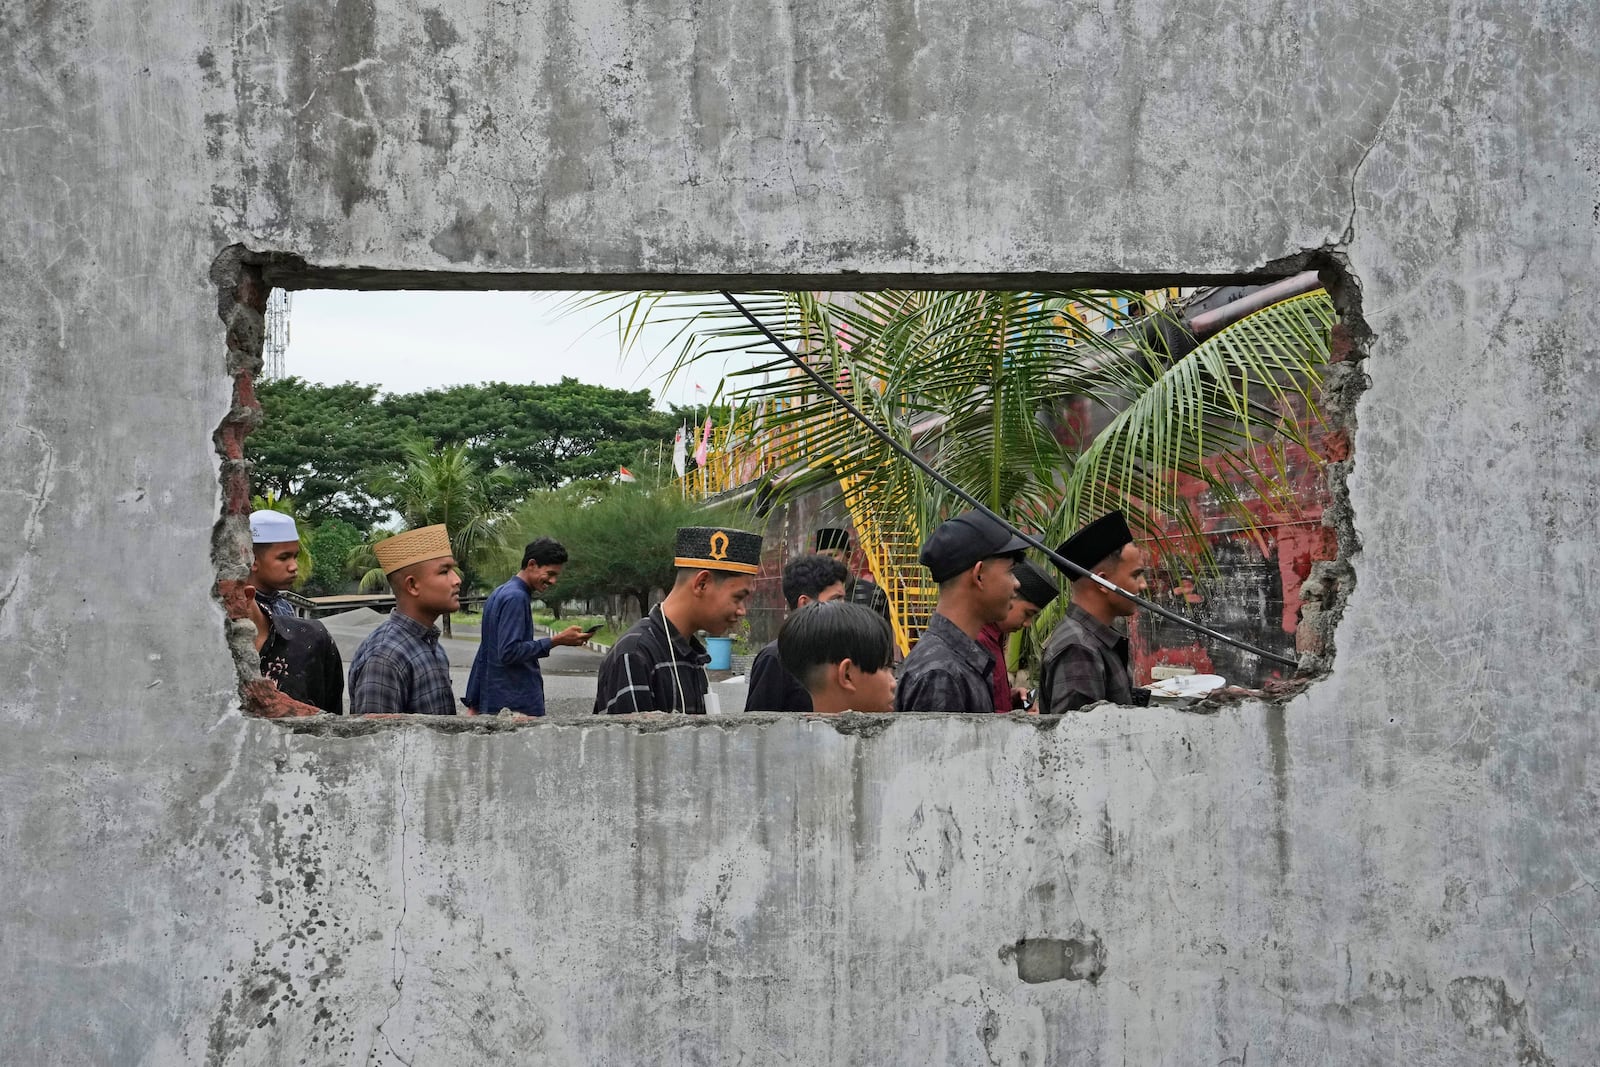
(659, 664)
(1085, 660)
(834, 542)
(971, 557)
(1035, 591)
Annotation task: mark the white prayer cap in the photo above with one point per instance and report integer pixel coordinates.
(272, 527)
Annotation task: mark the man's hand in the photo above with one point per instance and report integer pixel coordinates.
(572, 635)
(256, 615)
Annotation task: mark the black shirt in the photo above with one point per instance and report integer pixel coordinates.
(869, 595)
(653, 667)
(772, 688)
(1085, 661)
(300, 658)
(946, 671)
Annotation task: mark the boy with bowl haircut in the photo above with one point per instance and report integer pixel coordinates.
(815, 579)
(843, 654)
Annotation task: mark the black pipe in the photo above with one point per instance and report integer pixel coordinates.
(1067, 566)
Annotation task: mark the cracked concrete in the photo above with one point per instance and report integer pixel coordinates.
(1398, 862)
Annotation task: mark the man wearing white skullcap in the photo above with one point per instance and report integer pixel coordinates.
(297, 655)
(276, 564)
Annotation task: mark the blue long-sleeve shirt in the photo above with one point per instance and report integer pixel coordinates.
(505, 672)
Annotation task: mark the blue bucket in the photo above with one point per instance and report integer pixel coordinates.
(721, 649)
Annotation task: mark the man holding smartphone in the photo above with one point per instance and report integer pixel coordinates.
(505, 672)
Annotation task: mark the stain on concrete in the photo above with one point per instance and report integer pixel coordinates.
(1055, 959)
(472, 236)
(1483, 1006)
(440, 30)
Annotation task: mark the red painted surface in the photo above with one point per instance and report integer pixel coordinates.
(1266, 567)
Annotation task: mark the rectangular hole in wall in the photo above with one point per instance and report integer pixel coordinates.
(350, 401)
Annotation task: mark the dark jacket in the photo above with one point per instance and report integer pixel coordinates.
(653, 667)
(946, 671)
(505, 672)
(1085, 661)
(868, 594)
(772, 688)
(300, 658)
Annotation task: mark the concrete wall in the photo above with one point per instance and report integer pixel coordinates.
(1397, 866)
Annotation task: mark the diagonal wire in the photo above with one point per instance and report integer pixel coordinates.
(1066, 565)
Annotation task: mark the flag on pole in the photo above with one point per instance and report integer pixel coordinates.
(704, 450)
(625, 475)
(680, 450)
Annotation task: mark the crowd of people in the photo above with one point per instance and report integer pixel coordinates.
(835, 651)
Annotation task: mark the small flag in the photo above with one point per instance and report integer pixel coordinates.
(680, 450)
(625, 475)
(705, 444)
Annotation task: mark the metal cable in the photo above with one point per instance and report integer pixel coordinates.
(1066, 565)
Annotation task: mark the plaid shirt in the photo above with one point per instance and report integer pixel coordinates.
(1084, 661)
(273, 603)
(653, 667)
(401, 668)
(947, 671)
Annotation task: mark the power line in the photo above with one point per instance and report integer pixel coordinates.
(1070, 568)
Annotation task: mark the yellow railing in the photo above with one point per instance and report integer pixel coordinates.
(888, 536)
(885, 529)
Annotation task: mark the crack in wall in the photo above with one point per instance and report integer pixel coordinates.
(398, 967)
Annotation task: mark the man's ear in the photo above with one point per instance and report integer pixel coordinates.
(844, 672)
(802, 602)
(700, 582)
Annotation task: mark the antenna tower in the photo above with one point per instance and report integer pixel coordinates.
(277, 341)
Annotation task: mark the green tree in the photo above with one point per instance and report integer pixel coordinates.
(619, 538)
(322, 445)
(542, 436)
(972, 380)
(445, 486)
(333, 541)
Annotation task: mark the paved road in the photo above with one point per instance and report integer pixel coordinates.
(569, 673)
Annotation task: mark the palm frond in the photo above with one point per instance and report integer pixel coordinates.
(1223, 414)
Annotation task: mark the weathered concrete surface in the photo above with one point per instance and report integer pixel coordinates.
(1399, 866)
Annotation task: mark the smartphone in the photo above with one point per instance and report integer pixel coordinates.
(595, 628)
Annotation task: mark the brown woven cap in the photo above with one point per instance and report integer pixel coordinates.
(413, 546)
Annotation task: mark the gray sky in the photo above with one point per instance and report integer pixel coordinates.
(408, 341)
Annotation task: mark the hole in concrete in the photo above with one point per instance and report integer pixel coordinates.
(1282, 587)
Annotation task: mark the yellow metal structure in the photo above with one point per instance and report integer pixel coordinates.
(885, 529)
(888, 536)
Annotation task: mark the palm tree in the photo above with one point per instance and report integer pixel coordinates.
(445, 486)
(974, 382)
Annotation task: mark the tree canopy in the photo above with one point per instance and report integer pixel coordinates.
(620, 537)
(333, 448)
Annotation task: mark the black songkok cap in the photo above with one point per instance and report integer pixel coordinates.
(717, 548)
(964, 540)
(831, 537)
(1033, 585)
(1096, 541)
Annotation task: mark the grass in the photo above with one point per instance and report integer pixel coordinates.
(605, 635)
